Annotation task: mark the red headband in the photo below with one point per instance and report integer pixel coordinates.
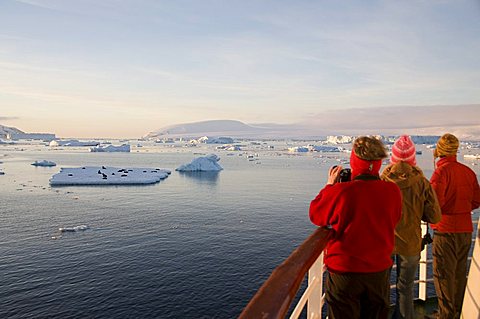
(360, 166)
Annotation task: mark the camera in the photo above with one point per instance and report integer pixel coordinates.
(427, 239)
(345, 175)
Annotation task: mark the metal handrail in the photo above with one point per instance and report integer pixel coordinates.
(275, 296)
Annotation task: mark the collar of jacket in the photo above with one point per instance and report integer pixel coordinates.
(446, 159)
(402, 174)
(366, 177)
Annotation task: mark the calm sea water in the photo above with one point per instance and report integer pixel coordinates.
(191, 246)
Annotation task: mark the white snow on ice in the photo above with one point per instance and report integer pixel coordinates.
(111, 148)
(73, 143)
(314, 148)
(73, 229)
(202, 164)
(95, 175)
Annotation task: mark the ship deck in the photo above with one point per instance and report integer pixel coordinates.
(423, 308)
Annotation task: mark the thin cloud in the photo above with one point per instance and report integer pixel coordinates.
(38, 3)
(8, 118)
(397, 118)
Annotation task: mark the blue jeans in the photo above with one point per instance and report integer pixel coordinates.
(407, 267)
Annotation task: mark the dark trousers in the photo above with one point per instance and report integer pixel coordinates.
(358, 295)
(450, 253)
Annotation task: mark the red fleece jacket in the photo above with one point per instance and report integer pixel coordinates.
(363, 214)
(458, 193)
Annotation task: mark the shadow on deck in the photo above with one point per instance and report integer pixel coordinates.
(423, 308)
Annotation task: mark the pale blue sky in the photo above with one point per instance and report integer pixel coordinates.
(123, 68)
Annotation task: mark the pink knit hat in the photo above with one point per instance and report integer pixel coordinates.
(403, 150)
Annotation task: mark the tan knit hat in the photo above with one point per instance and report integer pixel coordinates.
(447, 145)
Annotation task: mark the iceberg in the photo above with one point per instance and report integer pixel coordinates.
(471, 156)
(6, 143)
(339, 139)
(111, 148)
(427, 139)
(229, 147)
(202, 164)
(298, 149)
(220, 140)
(322, 148)
(212, 140)
(72, 143)
(44, 163)
(94, 175)
(233, 148)
(314, 148)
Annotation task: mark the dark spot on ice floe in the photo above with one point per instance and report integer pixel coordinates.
(130, 170)
(83, 167)
(70, 174)
(99, 172)
(103, 167)
(124, 175)
(113, 173)
(144, 171)
(104, 176)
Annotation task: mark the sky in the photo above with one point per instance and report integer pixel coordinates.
(123, 68)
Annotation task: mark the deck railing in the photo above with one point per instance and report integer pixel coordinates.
(275, 296)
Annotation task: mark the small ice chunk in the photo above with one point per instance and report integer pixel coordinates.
(44, 163)
(73, 229)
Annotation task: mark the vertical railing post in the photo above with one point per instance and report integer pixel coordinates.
(314, 305)
(471, 308)
(422, 275)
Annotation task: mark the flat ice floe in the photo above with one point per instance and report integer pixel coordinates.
(101, 175)
(73, 229)
(56, 143)
(111, 148)
(207, 163)
(44, 163)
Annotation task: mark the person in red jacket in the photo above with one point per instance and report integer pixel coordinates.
(458, 193)
(363, 214)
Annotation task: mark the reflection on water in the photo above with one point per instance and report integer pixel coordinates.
(210, 177)
(195, 245)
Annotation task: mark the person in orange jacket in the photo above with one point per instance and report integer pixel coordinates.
(458, 193)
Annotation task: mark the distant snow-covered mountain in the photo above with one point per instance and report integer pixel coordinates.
(4, 130)
(230, 128)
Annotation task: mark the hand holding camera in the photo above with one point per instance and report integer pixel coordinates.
(338, 174)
